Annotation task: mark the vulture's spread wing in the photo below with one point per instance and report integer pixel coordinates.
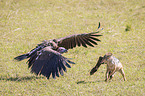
(85, 39)
(47, 62)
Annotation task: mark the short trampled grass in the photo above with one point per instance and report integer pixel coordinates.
(25, 23)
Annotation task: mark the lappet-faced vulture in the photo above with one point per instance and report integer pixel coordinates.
(46, 58)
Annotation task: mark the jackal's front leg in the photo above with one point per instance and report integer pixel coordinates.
(111, 75)
(107, 72)
(112, 72)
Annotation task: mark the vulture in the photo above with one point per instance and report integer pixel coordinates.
(46, 58)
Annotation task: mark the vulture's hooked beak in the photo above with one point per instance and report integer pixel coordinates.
(65, 51)
(62, 50)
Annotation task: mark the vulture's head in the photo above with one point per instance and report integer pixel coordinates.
(61, 50)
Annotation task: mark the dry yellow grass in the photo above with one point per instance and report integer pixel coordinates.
(25, 23)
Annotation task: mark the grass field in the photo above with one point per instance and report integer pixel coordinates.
(25, 23)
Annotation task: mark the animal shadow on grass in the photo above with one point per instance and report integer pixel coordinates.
(85, 82)
(20, 78)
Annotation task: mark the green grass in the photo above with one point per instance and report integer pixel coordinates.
(25, 23)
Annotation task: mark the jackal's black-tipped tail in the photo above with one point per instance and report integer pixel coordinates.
(21, 57)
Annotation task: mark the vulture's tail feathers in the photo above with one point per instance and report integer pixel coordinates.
(21, 57)
(29, 54)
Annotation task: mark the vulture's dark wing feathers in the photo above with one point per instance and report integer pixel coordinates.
(47, 62)
(85, 39)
